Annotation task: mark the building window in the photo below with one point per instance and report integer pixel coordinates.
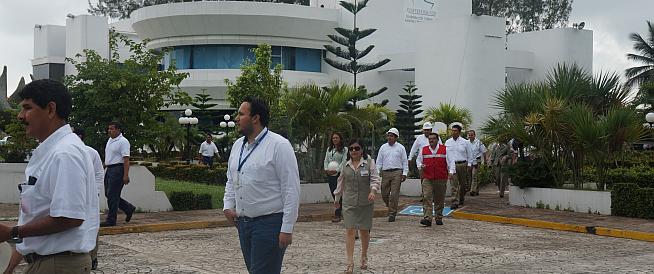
(233, 56)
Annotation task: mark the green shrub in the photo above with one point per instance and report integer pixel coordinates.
(187, 200)
(485, 175)
(530, 173)
(629, 200)
(640, 175)
(192, 173)
(146, 164)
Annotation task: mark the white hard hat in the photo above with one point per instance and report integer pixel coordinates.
(394, 131)
(427, 125)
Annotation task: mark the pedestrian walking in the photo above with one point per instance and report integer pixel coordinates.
(394, 167)
(116, 160)
(335, 158)
(98, 170)
(460, 152)
(500, 158)
(58, 220)
(262, 190)
(421, 141)
(357, 185)
(478, 156)
(432, 163)
(208, 150)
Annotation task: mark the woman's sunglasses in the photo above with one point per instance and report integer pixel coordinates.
(357, 148)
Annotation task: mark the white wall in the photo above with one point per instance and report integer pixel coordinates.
(49, 44)
(554, 46)
(86, 32)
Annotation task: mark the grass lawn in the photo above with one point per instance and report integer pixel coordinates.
(169, 186)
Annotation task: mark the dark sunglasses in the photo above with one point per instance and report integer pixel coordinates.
(354, 148)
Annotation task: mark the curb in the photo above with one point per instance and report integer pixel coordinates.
(115, 230)
(602, 231)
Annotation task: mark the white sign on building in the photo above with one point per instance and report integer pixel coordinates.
(418, 11)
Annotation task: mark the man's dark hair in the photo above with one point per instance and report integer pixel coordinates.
(473, 131)
(435, 134)
(457, 127)
(44, 91)
(259, 107)
(79, 132)
(116, 125)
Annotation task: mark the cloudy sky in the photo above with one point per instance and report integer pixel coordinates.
(611, 21)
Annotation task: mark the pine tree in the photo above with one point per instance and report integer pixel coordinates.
(348, 38)
(406, 117)
(201, 101)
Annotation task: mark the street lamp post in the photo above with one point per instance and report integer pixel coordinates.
(649, 117)
(187, 121)
(227, 123)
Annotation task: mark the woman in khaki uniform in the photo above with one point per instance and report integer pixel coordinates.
(357, 184)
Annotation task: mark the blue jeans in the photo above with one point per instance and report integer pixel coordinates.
(208, 161)
(259, 239)
(113, 186)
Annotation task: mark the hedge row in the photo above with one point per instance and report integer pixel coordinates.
(186, 200)
(629, 200)
(191, 173)
(642, 176)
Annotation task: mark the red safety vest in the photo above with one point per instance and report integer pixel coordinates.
(435, 165)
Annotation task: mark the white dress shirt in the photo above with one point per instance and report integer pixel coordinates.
(269, 181)
(61, 184)
(208, 150)
(420, 142)
(458, 150)
(98, 169)
(115, 150)
(392, 157)
(478, 150)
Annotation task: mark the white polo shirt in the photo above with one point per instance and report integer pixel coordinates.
(64, 186)
(115, 150)
(208, 150)
(97, 168)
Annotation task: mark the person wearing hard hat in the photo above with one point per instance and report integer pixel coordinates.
(393, 166)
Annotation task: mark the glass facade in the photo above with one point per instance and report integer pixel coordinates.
(232, 56)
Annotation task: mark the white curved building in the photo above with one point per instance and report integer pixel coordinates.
(451, 54)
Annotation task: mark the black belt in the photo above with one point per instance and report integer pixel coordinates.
(392, 169)
(33, 257)
(460, 162)
(478, 158)
(115, 165)
(247, 219)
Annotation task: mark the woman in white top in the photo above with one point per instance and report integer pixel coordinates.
(336, 155)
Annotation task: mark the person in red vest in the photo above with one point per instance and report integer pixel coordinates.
(432, 163)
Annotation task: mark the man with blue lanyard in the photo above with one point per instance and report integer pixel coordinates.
(262, 190)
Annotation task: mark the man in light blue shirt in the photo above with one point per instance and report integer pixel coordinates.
(262, 190)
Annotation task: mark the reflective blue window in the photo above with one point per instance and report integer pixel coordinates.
(233, 56)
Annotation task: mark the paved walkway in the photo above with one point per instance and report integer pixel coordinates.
(460, 246)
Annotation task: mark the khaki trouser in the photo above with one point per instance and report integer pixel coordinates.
(391, 182)
(473, 179)
(433, 191)
(460, 184)
(64, 264)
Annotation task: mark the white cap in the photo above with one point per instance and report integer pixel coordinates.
(427, 125)
(394, 131)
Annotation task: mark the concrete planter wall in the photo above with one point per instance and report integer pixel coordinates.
(563, 199)
(311, 193)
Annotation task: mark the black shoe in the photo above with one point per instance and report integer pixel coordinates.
(105, 224)
(391, 218)
(426, 222)
(128, 215)
(94, 264)
(439, 222)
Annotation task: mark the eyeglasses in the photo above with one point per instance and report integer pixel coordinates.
(354, 148)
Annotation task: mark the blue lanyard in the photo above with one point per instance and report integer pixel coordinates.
(241, 160)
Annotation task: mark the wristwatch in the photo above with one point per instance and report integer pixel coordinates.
(15, 238)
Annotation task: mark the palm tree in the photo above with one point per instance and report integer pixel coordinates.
(449, 113)
(643, 73)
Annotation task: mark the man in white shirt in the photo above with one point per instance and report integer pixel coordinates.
(208, 149)
(460, 159)
(116, 160)
(393, 166)
(58, 220)
(478, 154)
(98, 169)
(422, 140)
(262, 190)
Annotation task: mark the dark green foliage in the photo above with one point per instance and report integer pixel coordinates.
(192, 173)
(530, 173)
(406, 117)
(19, 145)
(348, 39)
(187, 200)
(639, 175)
(485, 175)
(629, 200)
(526, 15)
